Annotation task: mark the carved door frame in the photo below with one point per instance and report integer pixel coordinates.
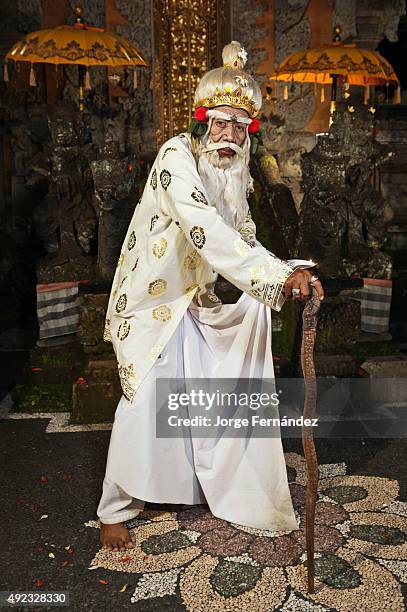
(181, 58)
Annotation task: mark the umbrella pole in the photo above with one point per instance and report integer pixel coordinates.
(81, 78)
(309, 328)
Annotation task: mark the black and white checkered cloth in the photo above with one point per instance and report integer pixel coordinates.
(57, 309)
(375, 303)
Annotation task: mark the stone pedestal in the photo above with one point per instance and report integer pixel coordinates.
(97, 393)
(97, 390)
(338, 324)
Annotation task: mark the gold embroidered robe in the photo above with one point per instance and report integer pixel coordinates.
(175, 245)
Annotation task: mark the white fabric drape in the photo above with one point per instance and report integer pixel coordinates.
(243, 480)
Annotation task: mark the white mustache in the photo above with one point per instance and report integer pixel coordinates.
(214, 146)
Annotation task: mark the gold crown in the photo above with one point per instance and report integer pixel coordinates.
(235, 99)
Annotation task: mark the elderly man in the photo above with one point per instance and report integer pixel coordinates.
(165, 320)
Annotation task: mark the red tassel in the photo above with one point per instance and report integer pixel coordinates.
(200, 114)
(254, 126)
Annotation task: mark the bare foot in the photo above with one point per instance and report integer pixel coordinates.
(115, 537)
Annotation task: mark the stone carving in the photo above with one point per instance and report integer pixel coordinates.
(29, 15)
(344, 14)
(93, 12)
(393, 10)
(338, 193)
(280, 155)
(246, 30)
(139, 30)
(292, 33)
(65, 218)
(114, 187)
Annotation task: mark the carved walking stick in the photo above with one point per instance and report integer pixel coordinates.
(309, 329)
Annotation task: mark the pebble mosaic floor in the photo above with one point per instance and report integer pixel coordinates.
(207, 564)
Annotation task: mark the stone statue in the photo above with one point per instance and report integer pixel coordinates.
(65, 218)
(114, 200)
(343, 220)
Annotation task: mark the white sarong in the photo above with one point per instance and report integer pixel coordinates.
(242, 479)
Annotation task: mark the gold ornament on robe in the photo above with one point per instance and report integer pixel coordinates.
(162, 313)
(159, 247)
(157, 287)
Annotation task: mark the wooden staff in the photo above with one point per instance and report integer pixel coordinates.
(309, 330)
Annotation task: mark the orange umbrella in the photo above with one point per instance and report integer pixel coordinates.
(325, 65)
(78, 44)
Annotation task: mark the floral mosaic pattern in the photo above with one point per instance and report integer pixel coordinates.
(205, 563)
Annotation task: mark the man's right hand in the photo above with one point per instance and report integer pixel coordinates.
(297, 285)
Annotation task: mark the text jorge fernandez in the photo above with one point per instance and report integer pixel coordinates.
(253, 401)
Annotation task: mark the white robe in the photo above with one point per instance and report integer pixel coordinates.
(243, 480)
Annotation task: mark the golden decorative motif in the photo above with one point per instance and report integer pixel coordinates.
(162, 313)
(198, 196)
(198, 236)
(132, 241)
(74, 45)
(193, 288)
(257, 275)
(167, 150)
(107, 336)
(359, 66)
(124, 330)
(192, 261)
(268, 292)
(121, 303)
(212, 297)
(248, 235)
(191, 34)
(157, 287)
(159, 247)
(241, 247)
(153, 221)
(165, 179)
(153, 181)
(234, 98)
(129, 380)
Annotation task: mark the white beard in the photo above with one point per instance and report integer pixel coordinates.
(227, 182)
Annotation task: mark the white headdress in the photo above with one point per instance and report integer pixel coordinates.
(230, 85)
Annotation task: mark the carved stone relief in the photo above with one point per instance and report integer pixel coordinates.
(93, 12)
(292, 33)
(140, 31)
(29, 15)
(344, 14)
(244, 17)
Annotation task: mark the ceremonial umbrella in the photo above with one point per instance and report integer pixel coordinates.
(325, 65)
(78, 44)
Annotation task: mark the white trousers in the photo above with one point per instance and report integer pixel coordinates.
(243, 480)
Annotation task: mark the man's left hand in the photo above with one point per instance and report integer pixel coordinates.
(297, 285)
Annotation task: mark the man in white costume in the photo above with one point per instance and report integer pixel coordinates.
(165, 321)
